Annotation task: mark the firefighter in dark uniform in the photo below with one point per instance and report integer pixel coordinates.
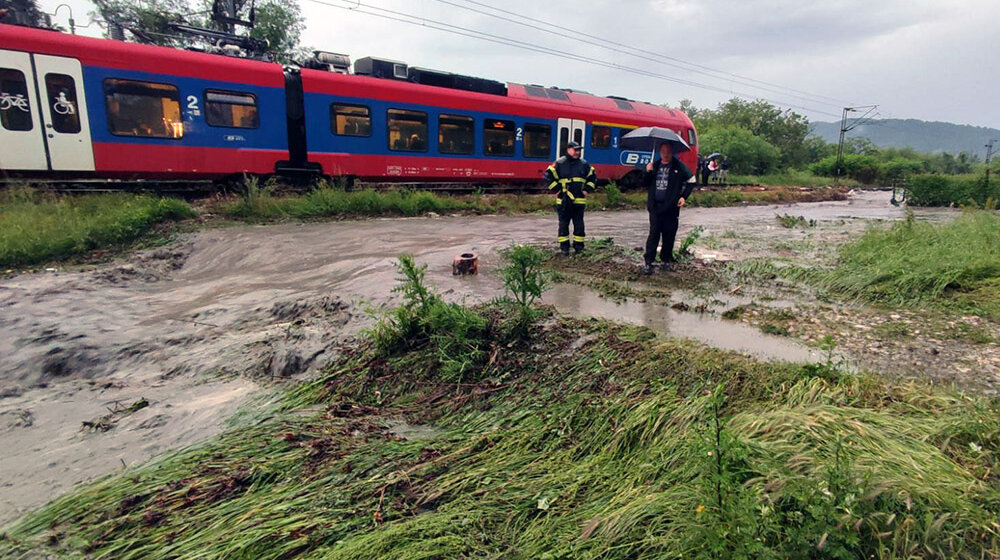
(571, 177)
(669, 184)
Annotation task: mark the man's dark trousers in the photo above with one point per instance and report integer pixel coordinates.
(662, 224)
(570, 211)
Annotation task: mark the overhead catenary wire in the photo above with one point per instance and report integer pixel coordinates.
(357, 6)
(659, 58)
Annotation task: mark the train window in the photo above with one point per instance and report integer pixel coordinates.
(578, 136)
(407, 130)
(144, 109)
(498, 137)
(61, 90)
(692, 139)
(624, 105)
(563, 140)
(600, 137)
(537, 140)
(558, 95)
(456, 134)
(231, 109)
(535, 91)
(623, 132)
(15, 107)
(350, 120)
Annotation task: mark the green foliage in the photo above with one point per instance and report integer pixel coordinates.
(23, 12)
(612, 195)
(747, 153)
(525, 280)
(36, 227)
(789, 221)
(453, 334)
(280, 23)
(328, 201)
(684, 252)
(148, 21)
(863, 168)
(783, 130)
(955, 264)
(942, 190)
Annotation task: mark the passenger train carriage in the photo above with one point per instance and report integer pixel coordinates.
(75, 107)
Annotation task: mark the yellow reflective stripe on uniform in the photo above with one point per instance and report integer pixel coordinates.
(552, 169)
(558, 201)
(580, 238)
(553, 185)
(579, 200)
(562, 239)
(591, 184)
(591, 172)
(579, 179)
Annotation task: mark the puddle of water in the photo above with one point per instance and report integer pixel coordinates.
(728, 335)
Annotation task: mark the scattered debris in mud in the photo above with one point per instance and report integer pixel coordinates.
(115, 413)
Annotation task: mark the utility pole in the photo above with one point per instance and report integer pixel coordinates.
(870, 114)
(989, 154)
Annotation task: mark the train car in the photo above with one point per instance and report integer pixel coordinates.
(394, 129)
(77, 107)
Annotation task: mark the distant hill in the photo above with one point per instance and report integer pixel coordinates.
(923, 136)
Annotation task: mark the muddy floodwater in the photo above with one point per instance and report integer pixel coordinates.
(199, 327)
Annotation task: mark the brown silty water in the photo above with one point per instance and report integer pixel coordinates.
(196, 327)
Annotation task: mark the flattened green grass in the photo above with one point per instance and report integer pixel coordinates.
(332, 202)
(36, 228)
(955, 265)
(590, 440)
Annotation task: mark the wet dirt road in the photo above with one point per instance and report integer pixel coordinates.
(198, 327)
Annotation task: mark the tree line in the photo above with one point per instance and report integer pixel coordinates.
(760, 138)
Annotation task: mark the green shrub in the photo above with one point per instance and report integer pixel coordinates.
(525, 279)
(951, 190)
(747, 153)
(454, 334)
(36, 227)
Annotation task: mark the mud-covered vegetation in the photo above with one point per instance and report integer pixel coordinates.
(572, 439)
(37, 227)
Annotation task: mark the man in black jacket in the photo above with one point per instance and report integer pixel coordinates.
(571, 177)
(668, 183)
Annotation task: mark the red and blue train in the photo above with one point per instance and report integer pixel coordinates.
(76, 107)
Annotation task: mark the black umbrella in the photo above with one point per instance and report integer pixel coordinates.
(649, 138)
(714, 155)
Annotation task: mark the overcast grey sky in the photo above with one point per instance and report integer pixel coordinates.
(922, 59)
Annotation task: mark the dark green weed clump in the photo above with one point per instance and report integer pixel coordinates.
(917, 263)
(582, 440)
(36, 227)
(951, 190)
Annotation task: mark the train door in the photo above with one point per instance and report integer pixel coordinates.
(67, 129)
(20, 122)
(571, 129)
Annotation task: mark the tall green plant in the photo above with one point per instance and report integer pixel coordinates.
(524, 279)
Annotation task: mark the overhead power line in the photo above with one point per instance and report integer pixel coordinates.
(659, 58)
(357, 6)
